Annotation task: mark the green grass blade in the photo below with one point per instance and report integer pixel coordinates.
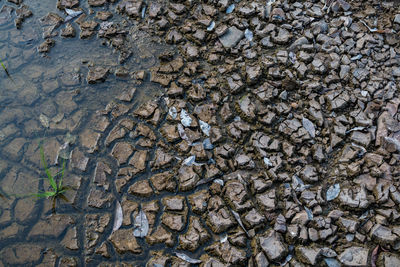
(5, 69)
(62, 175)
(62, 191)
(51, 179)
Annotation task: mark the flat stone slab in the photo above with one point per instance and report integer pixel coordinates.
(231, 37)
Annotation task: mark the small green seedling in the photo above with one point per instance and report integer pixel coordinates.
(55, 181)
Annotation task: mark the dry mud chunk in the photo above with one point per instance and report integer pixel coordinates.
(195, 235)
(163, 181)
(236, 195)
(160, 235)
(89, 140)
(68, 31)
(267, 200)
(282, 37)
(78, 160)
(46, 45)
(247, 107)
(253, 218)
(384, 235)
(235, 83)
(51, 19)
(218, 217)
(124, 241)
(70, 239)
(130, 7)
(354, 256)
(95, 224)
(96, 2)
(228, 253)
(116, 133)
(198, 201)
(62, 4)
(175, 222)
(22, 13)
(162, 159)
(355, 197)
(147, 109)
(231, 37)
(141, 188)
(100, 174)
(122, 151)
(138, 161)
(187, 178)
(170, 132)
(128, 208)
(103, 15)
(337, 99)
(386, 259)
(97, 74)
(174, 203)
(99, 199)
(308, 255)
(273, 246)
(87, 28)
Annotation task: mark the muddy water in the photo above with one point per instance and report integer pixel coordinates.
(47, 99)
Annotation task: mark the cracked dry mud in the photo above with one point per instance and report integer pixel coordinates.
(279, 148)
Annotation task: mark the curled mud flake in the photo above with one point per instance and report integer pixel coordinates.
(141, 225)
(186, 120)
(207, 144)
(249, 35)
(72, 14)
(189, 161)
(182, 132)
(219, 181)
(359, 128)
(63, 152)
(287, 259)
(298, 185)
(173, 113)
(230, 9)
(237, 217)
(292, 57)
(309, 126)
(224, 238)
(309, 213)
(211, 26)
(187, 258)
(359, 56)
(143, 13)
(369, 28)
(205, 127)
(119, 217)
(267, 162)
(332, 192)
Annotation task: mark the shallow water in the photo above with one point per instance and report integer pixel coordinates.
(48, 99)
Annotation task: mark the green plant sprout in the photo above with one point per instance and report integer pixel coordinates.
(5, 69)
(55, 181)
